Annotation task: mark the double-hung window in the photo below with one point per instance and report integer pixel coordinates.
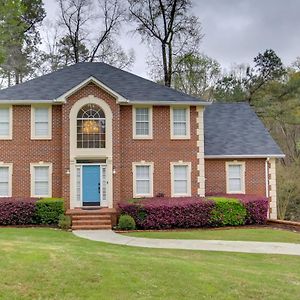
(41, 180)
(235, 177)
(180, 123)
(143, 179)
(142, 122)
(41, 122)
(5, 122)
(181, 179)
(5, 180)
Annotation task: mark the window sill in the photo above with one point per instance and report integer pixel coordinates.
(142, 138)
(41, 138)
(174, 138)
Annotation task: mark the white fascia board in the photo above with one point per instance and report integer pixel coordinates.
(62, 98)
(245, 156)
(24, 102)
(166, 103)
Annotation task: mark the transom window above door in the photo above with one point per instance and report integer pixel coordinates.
(91, 127)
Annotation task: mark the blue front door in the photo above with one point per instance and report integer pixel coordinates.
(91, 185)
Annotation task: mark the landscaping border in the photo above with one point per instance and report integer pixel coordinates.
(283, 224)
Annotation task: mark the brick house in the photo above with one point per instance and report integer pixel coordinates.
(96, 135)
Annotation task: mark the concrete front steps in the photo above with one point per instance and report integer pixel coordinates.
(92, 218)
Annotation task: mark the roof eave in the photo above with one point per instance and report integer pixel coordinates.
(22, 102)
(245, 156)
(166, 103)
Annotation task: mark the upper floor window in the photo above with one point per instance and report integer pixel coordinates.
(142, 122)
(5, 123)
(235, 177)
(180, 123)
(90, 127)
(41, 124)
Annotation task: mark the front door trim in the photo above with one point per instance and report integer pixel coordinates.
(103, 202)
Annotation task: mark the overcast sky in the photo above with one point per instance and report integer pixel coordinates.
(234, 30)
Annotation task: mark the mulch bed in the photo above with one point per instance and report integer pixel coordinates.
(213, 229)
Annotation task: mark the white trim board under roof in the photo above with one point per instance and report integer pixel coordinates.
(245, 156)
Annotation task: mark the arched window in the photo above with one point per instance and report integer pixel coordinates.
(90, 127)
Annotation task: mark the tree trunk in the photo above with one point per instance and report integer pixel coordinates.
(165, 65)
(170, 63)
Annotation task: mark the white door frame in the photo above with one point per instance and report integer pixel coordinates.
(79, 202)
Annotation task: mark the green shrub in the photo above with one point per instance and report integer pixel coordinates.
(228, 212)
(48, 210)
(126, 222)
(64, 222)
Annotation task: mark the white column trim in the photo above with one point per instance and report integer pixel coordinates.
(200, 154)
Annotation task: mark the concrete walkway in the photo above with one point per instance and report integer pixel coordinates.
(109, 236)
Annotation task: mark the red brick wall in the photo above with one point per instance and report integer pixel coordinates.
(21, 151)
(215, 173)
(160, 150)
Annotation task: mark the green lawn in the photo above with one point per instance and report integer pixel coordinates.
(51, 264)
(247, 234)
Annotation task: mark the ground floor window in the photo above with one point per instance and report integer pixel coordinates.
(142, 179)
(181, 179)
(5, 180)
(41, 183)
(235, 177)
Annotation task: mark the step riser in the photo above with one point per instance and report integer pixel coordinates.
(101, 217)
(75, 223)
(90, 227)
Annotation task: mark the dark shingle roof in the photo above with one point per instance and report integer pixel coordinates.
(235, 129)
(128, 85)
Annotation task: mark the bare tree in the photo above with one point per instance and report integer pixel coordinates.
(91, 30)
(168, 24)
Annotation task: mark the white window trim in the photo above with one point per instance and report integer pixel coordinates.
(189, 187)
(142, 163)
(10, 173)
(235, 163)
(46, 137)
(142, 137)
(9, 136)
(188, 126)
(40, 164)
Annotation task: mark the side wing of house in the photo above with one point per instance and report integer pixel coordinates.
(240, 154)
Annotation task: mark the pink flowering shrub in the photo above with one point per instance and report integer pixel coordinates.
(257, 208)
(192, 212)
(16, 211)
(163, 213)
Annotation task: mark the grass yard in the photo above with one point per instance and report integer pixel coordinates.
(239, 234)
(41, 263)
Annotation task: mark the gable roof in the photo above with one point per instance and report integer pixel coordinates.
(234, 129)
(131, 87)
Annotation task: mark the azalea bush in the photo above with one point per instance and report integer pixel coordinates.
(162, 213)
(191, 212)
(28, 211)
(15, 211)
